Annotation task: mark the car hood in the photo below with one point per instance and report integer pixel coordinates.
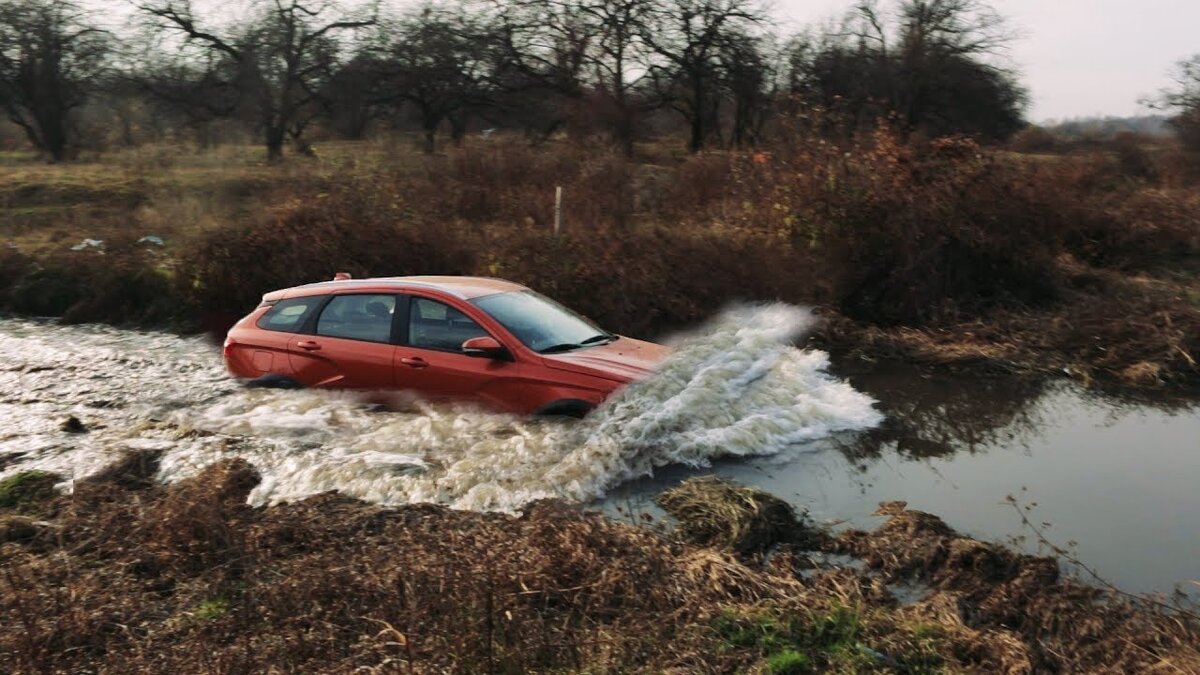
(624, 360)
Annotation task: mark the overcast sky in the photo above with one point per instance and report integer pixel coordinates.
(1079, 57)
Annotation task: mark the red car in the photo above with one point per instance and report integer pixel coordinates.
(487, 340)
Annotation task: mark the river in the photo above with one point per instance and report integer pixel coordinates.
(1113, 481)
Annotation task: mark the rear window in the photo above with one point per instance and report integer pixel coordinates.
(358, 317)
(288, 316)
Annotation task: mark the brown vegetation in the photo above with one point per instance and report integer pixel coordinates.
(944, 251)
(126, 575)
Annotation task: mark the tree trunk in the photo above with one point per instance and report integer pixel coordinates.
(698, 114)
(55, 136)
(458, 128)
(430, 123)
(625, 129)
(275, 140)
(696, 144)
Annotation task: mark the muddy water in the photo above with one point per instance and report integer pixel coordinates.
(733, 389)
(1118, 478)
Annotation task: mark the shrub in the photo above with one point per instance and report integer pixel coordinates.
(83, 287)
(1034, 139)
(788, 662)
(912, 234)
(24, 489)
(887, 233)
(227, 270)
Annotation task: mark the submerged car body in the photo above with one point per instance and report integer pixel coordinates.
(487, 340)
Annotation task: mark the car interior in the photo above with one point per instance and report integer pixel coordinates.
(358, 317)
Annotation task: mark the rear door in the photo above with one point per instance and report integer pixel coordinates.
(262, 348)
(431, 361)
(350, 344)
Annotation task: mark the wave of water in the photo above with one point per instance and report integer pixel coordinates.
(733, 388)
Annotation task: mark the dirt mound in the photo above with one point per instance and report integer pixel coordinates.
(715, 512)
(983, 586)
(134, 470)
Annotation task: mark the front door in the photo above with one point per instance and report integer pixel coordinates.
(433, 365)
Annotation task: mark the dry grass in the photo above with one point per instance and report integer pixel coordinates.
(943, 252)
(1056, 624)
(714, 512)
(128, 576)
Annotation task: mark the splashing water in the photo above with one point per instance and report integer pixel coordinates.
(734, 388)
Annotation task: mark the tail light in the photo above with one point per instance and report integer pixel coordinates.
(227, 351)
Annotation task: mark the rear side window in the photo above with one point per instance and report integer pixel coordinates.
(358, 317)
(288, 316)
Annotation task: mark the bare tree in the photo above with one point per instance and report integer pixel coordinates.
(354, 96)
(280, 62)
(687, 37)
(440, 63)
(51, 60)
(542, 51)
(750, 80)
(931, 66)
(192, 93)
(618, 61)
(1184, 100)
(937, 38)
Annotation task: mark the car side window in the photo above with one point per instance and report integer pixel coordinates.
(436, 325)
(288, 316)
(358, 317)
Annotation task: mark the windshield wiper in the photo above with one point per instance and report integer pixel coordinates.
(558, 349)
(603, 337)
(571, 346)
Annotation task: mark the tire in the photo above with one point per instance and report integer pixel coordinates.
(567, 407)
(274, 381)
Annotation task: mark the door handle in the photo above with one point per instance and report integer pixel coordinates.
(414, 362)
(308, 345)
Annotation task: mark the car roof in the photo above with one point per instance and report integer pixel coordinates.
(461, 287)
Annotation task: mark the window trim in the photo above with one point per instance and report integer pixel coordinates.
(313, 321)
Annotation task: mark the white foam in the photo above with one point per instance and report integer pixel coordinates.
(734, 388)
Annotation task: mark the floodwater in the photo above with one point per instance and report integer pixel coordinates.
(1115, 482)
(735, 388)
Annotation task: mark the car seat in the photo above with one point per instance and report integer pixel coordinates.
(378, 309)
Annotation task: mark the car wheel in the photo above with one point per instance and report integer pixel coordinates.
(573, 408)
(274, 381)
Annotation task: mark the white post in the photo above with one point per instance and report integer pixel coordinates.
(558, 209)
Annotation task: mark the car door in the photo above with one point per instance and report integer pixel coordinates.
(263, 350)
(431, 363)
(351, 344)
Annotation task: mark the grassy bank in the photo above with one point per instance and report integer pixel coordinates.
(127, 575)
(939, 252)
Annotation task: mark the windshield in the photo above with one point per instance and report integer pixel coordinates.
(540, 323)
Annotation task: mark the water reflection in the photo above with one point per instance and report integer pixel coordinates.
(1114, 475)
(935, 415)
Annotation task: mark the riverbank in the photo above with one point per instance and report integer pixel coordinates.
(126, 573)
(942, 253)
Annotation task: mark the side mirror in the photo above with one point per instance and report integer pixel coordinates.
(485, 348)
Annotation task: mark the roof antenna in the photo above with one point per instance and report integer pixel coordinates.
(342, 276)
